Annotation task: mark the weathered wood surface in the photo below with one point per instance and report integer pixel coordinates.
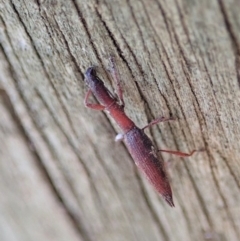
(62, 177)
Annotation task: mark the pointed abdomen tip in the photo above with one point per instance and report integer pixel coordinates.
(169, 200)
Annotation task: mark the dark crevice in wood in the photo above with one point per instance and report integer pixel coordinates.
(135, 60)
(2, 48)
(139, 30)
(165, 19)
(231, 171)
(38, 3)
(132, 52)
(177, 98)
(111, 36)
(233, 38)
(164, 66)
(182, 19)
(184, 57)
(157, 126)
(237, 63)
(88, 32)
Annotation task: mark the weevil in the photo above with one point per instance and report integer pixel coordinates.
(137, 142)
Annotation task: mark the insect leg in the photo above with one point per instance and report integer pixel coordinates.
(156, 121)
(182, 154)
(92, 106)
(179, 153)
(115, 76)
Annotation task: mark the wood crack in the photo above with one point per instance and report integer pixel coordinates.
(234, 41)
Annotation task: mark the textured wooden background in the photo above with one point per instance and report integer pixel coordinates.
(62, 176)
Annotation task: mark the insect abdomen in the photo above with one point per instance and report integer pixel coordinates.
(145, 157)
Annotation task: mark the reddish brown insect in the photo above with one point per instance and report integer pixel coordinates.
(138, 143)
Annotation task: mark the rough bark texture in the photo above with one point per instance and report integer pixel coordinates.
(62, 177)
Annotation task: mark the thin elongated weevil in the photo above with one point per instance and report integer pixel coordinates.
(138, 143)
